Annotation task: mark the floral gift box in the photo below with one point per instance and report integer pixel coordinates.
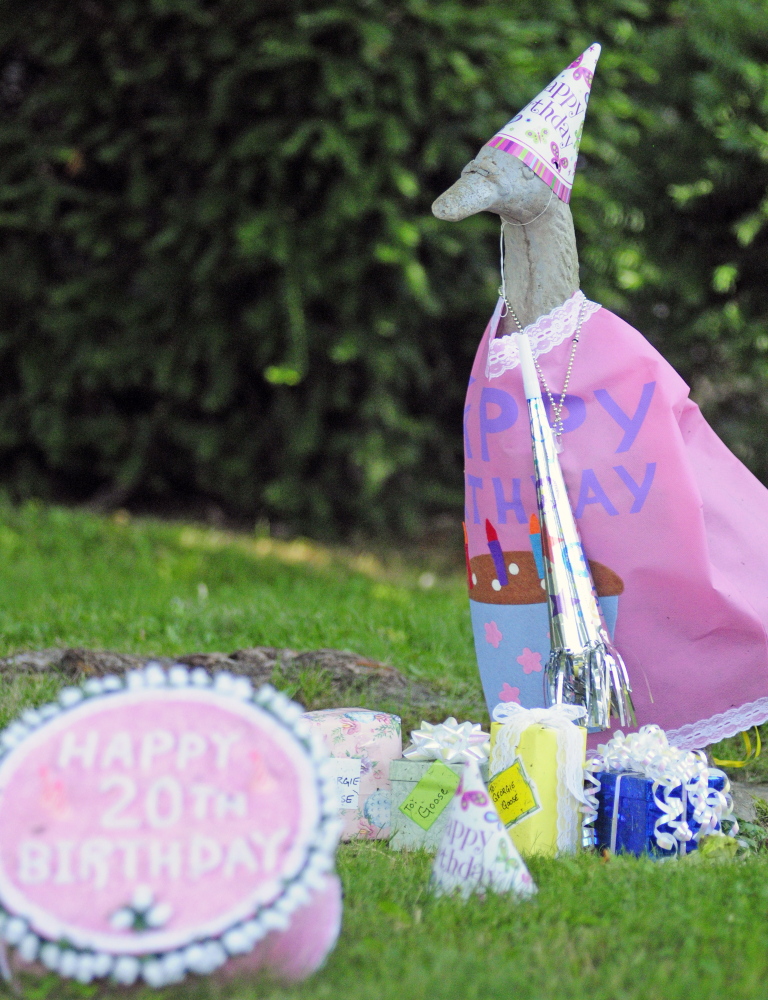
(362, 744)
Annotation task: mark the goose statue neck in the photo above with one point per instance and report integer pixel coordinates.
(541, 261)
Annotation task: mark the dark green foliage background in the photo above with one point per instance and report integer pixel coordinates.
(221, 281)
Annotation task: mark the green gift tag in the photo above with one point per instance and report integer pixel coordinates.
(431, 795)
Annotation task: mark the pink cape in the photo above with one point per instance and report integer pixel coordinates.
(660, 501)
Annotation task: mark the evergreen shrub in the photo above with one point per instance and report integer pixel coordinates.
(220, 277)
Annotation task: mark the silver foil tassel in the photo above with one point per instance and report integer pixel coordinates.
(584, 666)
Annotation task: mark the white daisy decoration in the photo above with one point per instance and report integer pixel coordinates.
(142, 913)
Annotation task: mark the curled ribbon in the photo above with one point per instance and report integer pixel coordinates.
(681, 787)
(751, 752)
(506, 711)
(589, 809)
(450, 742)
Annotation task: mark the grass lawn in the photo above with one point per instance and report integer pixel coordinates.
(603, 930)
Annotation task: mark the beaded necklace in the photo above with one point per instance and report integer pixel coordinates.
(557, 407)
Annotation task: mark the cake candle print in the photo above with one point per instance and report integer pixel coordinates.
(535, 532)
(470, 581)
(497, 555)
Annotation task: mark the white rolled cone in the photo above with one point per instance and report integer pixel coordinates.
(584, 667)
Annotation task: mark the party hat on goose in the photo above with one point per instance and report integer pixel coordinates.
(546, 133)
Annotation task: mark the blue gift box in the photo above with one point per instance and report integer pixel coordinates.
(627, 826)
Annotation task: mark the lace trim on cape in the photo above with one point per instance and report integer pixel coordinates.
(696, 735)
(547, 332)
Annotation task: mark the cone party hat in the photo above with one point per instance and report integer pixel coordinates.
(477, 853)
(546, 134)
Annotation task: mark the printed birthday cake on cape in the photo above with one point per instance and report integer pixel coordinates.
(525, 585)
(508, 603)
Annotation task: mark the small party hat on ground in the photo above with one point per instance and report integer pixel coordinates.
(476, 852)
(546, 133)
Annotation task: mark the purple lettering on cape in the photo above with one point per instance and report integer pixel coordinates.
(630, 425)
(638, 491)
(576, 409)
(467, 445)
(494, 425)
(591, 484)
(475, 484)
(503, 505)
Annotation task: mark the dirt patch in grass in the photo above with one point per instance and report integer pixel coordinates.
(321, 678)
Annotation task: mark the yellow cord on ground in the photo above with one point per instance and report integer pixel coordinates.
(751, 754)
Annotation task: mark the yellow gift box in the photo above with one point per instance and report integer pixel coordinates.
(526, 792)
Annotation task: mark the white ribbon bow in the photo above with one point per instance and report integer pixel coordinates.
(450, 742)
(506, 711)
